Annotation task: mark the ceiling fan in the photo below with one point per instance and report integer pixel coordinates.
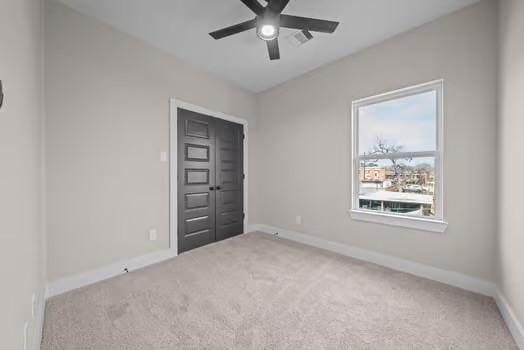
(268, 21)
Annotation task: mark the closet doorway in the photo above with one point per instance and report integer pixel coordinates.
(210, 178)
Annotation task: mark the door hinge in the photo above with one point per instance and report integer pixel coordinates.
(243, 136)
(243, 215)
(243, 176)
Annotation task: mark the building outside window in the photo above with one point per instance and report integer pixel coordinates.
(397, 157)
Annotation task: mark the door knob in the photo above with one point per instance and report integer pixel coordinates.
(211, 188)
(218, 188)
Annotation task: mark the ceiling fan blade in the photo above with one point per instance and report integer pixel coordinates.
(274, 51)
(254, 6)
(277, 6)
(307, 34)
(235, 29)
(305, 23)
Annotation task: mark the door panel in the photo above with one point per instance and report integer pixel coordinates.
(196, 175)
(230, 179)
(197, 153)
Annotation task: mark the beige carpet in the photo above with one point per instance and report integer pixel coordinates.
(261, 292)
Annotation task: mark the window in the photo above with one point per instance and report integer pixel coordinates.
(397, 158)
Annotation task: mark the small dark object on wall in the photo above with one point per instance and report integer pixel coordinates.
(1, 95)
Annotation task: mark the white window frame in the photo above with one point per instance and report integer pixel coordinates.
(434, 224)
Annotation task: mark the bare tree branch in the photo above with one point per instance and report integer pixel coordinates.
(382, 147)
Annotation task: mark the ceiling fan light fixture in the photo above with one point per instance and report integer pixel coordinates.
(268, 31)
(267, 27)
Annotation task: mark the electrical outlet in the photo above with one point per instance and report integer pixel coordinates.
(298, 220)
(153, 235)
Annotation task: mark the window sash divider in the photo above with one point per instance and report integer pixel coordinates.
(399, 155)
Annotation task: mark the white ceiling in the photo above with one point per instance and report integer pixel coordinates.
(182, 26)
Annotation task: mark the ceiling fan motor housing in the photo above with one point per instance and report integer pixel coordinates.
(268, 26)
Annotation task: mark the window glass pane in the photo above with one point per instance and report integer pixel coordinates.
(399, 186)
(406, 124)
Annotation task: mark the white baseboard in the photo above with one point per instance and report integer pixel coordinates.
(254, 228)
(448, 277)
(37, 323)
(76, 281)
(514, 325)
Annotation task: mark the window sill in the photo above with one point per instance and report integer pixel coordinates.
(402, 221)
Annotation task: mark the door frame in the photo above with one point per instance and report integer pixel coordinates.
(174, 104)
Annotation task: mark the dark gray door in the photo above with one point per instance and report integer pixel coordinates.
(229, 179)
(196, 180)
(210, 179)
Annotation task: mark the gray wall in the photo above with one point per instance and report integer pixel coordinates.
(303, 149)
(511, 230)
(108, 120)
(21, 236)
